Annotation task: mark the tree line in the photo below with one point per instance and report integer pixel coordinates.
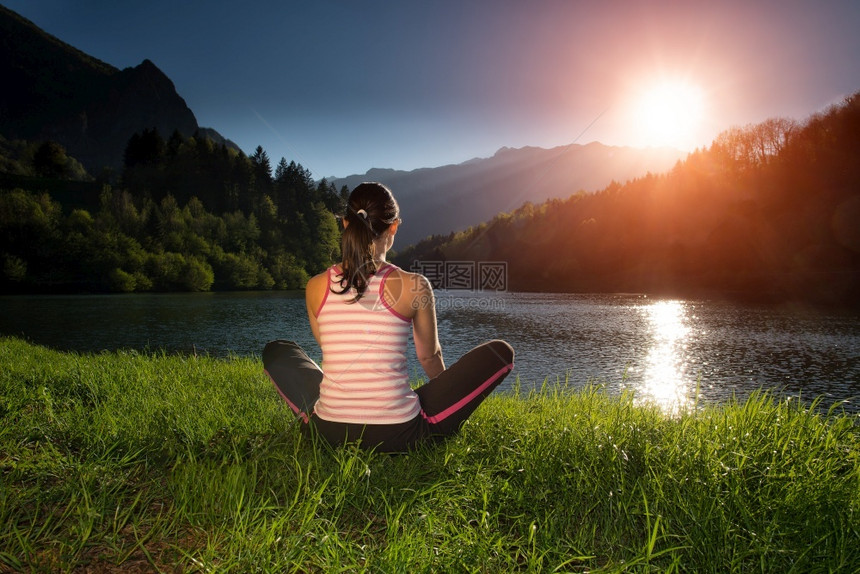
(185, 214)
(767, 211)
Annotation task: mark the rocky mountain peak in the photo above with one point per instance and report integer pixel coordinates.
(54, 91)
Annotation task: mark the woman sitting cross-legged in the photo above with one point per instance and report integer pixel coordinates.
(362, 312)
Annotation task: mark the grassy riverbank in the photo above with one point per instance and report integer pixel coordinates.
(132, 462)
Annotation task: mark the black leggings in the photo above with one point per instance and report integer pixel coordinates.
(447, 400)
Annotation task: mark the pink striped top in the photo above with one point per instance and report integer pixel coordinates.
(364, 356)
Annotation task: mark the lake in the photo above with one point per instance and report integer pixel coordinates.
(663, 350)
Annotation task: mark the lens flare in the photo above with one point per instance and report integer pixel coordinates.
(669, 114)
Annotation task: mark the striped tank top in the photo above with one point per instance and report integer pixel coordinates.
(364, 356)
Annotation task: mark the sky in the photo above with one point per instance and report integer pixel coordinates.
(343, 86)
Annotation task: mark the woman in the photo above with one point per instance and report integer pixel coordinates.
(361, 313)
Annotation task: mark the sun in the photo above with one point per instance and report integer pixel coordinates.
(668, 113)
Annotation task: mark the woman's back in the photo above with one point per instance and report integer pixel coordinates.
(364, 355)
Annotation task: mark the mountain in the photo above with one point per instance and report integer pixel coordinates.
(453, 197)
(768, 212)
(52, 91)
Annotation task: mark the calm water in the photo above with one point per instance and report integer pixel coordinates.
(663, 350)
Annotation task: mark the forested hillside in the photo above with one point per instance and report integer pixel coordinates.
(769, 210)
(187, 215)
(54, 92)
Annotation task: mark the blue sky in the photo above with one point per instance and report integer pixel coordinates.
(343, 86)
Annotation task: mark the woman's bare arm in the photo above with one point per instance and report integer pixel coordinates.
(424, 329)
(314, 293)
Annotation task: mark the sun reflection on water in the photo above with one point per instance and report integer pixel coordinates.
(663, 381)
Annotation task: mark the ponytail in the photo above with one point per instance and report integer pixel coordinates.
(370, 211)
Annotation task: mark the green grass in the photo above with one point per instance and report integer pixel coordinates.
(151, 462)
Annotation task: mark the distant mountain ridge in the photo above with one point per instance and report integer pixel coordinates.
(440, 200)
(52, 90)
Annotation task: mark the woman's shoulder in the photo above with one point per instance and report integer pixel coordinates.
(319, 278)
(412, 281)
(315, 289)
(318, 284)
(408, 292)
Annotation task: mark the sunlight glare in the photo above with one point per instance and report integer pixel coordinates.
(669, 114)
(664, 372)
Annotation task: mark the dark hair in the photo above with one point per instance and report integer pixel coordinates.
(370, 211)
